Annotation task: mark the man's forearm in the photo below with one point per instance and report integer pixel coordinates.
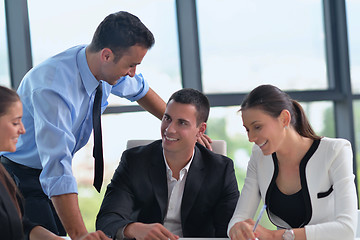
(67, 208)
(40, 233)
(153, 103)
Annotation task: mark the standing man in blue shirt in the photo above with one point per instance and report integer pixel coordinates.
(58, 98)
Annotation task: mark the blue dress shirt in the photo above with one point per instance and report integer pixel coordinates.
(58, 97)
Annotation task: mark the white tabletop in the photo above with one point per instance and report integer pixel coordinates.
(197, 238)
(68, 238)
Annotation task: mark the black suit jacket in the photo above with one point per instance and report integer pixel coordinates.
(138, 192)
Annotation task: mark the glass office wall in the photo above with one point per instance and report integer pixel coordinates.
(55, 27)
(353, 20)
(4, 58)
(247, 43)
(356, 108)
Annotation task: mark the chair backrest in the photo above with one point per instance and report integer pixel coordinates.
(218, 146)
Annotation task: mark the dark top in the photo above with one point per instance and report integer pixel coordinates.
(290, 208)
(287, 209)
(11, 226)
(138, 192)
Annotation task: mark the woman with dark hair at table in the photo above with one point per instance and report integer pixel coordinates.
(306, 181)
(13, 225)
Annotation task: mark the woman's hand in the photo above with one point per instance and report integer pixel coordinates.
(261, 233)
(243, 230)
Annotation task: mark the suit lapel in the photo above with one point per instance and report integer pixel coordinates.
(157, 175)
(193, 184)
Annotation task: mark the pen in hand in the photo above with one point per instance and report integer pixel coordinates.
(259, 217)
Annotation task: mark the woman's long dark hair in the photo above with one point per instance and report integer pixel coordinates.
(9, 185)
(273, 101)
(8, 97)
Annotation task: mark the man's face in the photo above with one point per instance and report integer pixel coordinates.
(112, 71)
(179, 129)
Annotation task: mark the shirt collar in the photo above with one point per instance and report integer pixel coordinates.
(89, 81)
(183, 170)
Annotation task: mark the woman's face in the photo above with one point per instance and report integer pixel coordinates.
(264, 130)
(11, 127)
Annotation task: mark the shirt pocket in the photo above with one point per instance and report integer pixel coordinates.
(326, 193)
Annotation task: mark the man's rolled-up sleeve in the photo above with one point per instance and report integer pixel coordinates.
(131, 88)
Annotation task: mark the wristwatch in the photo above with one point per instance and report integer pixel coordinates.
(288, 235)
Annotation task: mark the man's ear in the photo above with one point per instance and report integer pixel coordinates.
(106, 55)
(285, 118)
(202, 128)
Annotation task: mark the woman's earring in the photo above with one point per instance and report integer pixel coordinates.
(286, 127)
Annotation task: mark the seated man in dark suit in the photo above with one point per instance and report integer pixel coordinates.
(173, 187)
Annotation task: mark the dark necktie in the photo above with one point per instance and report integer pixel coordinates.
(98, 150)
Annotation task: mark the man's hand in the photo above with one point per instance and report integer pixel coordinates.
(98, 235)
(205, 140)
(67, 207)
(40, 233)
(142, 231)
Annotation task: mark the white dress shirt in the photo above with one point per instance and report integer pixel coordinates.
(172, 220)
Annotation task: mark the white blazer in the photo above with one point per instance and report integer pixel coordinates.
(327, 180)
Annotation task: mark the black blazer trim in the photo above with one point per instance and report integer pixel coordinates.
(307, 199)
(304, 186)
(325, 194)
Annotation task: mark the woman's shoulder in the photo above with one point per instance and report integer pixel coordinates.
(330, 148)
(334, 142)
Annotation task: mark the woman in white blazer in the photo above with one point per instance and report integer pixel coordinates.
(306, 181)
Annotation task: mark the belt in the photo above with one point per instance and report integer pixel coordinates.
(6, 161)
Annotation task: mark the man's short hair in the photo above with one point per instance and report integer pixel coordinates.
(119, 31)
(195, 98)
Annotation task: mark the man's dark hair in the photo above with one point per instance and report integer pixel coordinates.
(195, 98)
(120, 31)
